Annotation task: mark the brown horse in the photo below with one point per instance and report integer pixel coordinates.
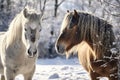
(93, 39)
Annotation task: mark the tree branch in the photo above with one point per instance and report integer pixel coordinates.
(116, 15)
(60, 2)
(117, 6)
(43, 8)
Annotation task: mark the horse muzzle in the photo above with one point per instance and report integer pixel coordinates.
(32, 53)
(60, 49)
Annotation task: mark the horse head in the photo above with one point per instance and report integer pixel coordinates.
(32, 27)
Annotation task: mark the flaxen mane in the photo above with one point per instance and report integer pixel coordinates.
(98, 34)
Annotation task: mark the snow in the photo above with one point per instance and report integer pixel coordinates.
(59, 69)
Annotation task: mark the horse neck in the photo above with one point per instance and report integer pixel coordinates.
(99, 50)
(94, 51)
(14, 34)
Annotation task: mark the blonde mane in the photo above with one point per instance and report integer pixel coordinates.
(97, 36)
(97, 33)
(15, 29)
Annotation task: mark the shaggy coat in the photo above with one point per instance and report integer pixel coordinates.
(93, 39)
(18, 46)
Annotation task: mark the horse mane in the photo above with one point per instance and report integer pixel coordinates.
(15, 28)
(97, 33)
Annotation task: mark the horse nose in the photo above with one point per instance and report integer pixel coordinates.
(33, 39)
(29, 52)
(35, 52)
(32, 53)
(60, 48)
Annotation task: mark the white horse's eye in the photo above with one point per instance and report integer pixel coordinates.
(25, 29)
(40, 30)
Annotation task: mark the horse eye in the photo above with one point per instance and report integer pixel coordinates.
(39, 30)
(73, 20)
(25, 29)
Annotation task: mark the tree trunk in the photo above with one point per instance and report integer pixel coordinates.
(5, 5)
(8, 5)
(1, 5)
(56, 7)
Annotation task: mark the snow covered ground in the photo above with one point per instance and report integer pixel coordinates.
(59, 69)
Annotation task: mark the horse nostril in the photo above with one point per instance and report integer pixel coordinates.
(35, 52)
(60, 48)
(29, 52)
(32, 53)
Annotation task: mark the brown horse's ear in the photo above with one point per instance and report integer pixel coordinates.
(75, 14)
(68, 11)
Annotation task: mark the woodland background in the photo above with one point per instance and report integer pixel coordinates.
(53, 12)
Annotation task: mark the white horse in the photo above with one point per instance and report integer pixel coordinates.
(18, 46)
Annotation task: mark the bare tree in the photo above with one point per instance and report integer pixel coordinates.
(42, 8)
(5, 5)
(112, 7)
(56, 7)
(1, 5)
(8, 4)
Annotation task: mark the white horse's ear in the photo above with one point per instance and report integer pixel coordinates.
(25, 13)
(68, 11)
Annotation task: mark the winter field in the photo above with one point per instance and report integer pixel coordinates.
(59, 69)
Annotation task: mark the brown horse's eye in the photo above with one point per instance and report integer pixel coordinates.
(73, 22)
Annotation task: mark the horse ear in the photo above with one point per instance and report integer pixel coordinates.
(25, 13)
(68, 11)
(75, 14)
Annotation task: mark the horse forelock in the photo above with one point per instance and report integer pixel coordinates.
(66, 21)
(33, 15)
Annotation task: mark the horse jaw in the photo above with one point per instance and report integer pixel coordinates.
(73, 50)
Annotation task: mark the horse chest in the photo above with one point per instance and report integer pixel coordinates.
(23, 66)
(17, 59)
